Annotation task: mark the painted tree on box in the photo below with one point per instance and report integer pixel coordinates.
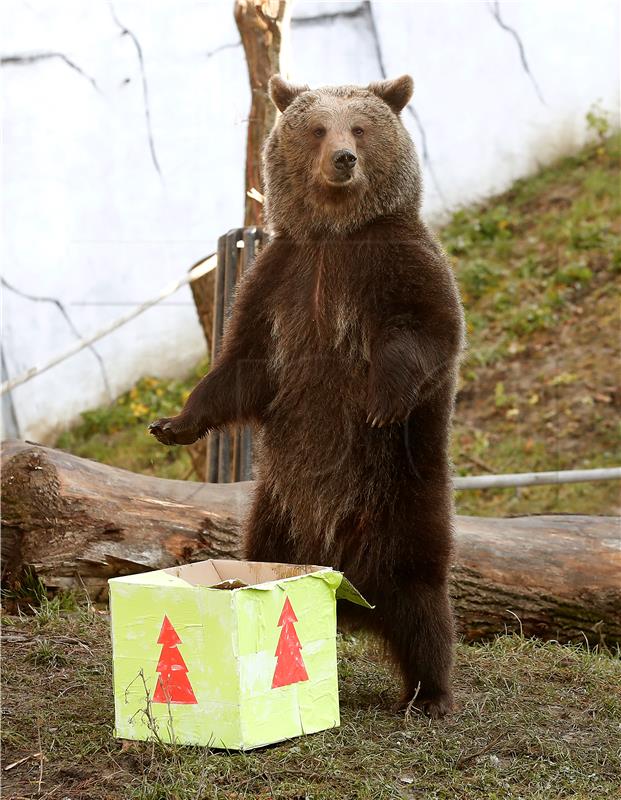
(290, 664)
(173, 684)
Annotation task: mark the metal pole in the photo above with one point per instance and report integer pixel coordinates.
(227, 439)
(252, 238)
(536, 478)
(213, 440)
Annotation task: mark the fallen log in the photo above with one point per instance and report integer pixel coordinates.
(78, 523)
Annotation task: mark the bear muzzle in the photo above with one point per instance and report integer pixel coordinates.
(344, 160)
(339, 167)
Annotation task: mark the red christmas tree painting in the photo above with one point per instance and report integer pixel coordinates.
(290, 665)
(172, 685)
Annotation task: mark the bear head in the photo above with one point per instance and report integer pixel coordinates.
(338, 157)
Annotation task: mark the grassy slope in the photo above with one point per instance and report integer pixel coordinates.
(539, 270)
(537, 721)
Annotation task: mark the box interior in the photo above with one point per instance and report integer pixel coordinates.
(229, 574)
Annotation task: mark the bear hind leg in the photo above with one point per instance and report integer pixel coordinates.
(419, 631)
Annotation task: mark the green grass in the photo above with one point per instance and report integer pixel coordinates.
(535, 720)
(539, 273)
(525, 258)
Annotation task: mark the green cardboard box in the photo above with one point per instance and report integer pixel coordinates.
(230, 654)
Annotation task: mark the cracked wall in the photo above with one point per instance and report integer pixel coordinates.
(124, 137)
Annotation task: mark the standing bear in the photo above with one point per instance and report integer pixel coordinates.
(343, 348)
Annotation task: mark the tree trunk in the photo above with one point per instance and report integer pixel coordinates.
(77, 522)
(203, 294)
(264, 27)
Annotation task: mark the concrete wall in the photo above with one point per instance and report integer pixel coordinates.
(124, 136)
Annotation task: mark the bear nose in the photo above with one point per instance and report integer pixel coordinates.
(344, 159)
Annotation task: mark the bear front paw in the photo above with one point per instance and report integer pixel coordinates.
(382, 412)
(174, 430)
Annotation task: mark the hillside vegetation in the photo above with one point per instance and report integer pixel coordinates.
(539, 272)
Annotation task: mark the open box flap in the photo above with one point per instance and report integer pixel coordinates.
(347, 591)
(342, 588)
(158, 577)
(257, 573)
(234, 574)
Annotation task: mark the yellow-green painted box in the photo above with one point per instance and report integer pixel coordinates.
(228, 654)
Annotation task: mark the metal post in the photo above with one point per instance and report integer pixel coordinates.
(253, 238)
(213, 441)
(229, 454)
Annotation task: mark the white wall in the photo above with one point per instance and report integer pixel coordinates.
(102, 207)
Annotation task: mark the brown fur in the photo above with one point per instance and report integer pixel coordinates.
(343, 347)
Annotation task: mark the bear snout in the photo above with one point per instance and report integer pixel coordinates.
(344, 160)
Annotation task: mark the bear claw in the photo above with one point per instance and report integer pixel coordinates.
(378, 421)
(169, 432)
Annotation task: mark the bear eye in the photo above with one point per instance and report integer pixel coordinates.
(357, 131)
(319, 132)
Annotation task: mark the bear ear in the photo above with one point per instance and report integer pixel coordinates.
(396, 93)
(283, 93)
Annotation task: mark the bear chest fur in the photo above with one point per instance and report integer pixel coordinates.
(318, 321)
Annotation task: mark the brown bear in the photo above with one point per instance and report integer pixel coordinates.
(343, 347)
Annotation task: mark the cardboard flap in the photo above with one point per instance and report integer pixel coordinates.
(346, 591)
(342, 588)
(199, 573)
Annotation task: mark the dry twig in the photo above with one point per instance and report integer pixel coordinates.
(462, 760)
